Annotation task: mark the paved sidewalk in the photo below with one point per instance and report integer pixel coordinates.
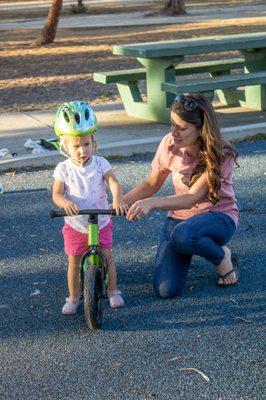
(118, 134)
(17, 5)
(139, 18)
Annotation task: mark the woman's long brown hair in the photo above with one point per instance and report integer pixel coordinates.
(213, 148)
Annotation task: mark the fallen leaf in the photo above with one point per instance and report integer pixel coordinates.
(35, 293)
(12, 173)
(40, 283)
(204, 376)
(233, 300)
(243, 319)
(175, 359)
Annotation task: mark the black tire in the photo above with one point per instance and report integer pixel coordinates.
(93, 297)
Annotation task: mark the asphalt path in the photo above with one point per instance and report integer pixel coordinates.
(145, 350)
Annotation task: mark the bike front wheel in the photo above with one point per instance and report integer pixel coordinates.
(93, 297)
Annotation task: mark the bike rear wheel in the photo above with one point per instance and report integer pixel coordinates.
(93, 297)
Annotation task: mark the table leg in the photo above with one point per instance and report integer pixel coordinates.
(156, 108)
(255, 96)
(229, 97)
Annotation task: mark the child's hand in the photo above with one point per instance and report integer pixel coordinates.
(120, 207)
(70, 208)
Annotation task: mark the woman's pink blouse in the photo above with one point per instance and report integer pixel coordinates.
(180, 164)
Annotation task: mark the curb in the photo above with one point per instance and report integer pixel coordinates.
(122, 148)
(119, 149)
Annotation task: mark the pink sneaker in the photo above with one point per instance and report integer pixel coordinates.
(115, 299)
(71, 306)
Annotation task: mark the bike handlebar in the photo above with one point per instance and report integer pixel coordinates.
(62, 213)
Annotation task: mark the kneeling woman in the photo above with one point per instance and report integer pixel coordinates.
(203, 214)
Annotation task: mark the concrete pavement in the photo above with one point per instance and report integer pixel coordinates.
(258, 13)
(118, 134)
(18, 5)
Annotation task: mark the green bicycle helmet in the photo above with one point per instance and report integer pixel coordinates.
(75, 118)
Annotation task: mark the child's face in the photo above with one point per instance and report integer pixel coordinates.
(79, 148)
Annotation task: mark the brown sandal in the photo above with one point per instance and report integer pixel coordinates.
(223, 277)
(234, 258)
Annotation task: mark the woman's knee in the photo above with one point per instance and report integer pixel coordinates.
(166, 289)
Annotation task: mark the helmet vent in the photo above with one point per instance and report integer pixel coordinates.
(87, 114)
(77, 118)
(66, 116)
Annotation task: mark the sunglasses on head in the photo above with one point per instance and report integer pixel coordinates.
(188, 103)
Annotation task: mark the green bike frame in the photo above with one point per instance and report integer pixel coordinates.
(93, 244)
(93, 240)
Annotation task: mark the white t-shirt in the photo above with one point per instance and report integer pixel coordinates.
(86, 187)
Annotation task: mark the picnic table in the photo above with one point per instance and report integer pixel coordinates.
(163, 61)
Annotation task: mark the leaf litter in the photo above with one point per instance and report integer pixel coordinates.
(243, 319)
(203, 376)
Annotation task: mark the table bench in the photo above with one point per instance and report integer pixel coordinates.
(208, 85)
(138, 74)
(164, 61)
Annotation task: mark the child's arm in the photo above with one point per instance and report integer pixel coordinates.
(60, 200)
(118, 203)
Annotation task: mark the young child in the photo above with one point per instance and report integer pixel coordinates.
(79, 183)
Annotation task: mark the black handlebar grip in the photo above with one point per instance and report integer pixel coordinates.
(62, 213)
(57, 213)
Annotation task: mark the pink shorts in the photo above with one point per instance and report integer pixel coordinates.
(76, 243)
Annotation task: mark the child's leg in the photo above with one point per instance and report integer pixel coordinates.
(72, 302)
(73, 276)
(75, 244)
(115, 298)
(112, 278)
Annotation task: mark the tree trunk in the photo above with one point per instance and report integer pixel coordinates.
(48, 32)
(174, 7)
(80, 3)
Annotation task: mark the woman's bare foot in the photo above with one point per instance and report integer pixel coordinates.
(225, 267)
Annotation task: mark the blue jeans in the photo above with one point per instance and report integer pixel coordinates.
(201, 235)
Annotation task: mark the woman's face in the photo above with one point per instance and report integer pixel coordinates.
(184, 133)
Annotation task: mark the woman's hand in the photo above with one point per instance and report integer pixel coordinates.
(139, 209)
(120, 206)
